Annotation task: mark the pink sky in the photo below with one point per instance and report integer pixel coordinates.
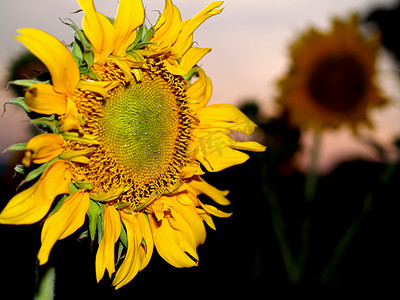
(249, 41)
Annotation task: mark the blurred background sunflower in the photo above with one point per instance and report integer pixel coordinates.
(276, 241)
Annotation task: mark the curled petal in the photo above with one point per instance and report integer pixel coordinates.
(98, 30)
(190, 223)
(167, 28)
(188, 61)
(180, 230)
(70, 120)
(184, 41)
(201, 187)
(137, 253)
(43, 99)
(147, 241)
(111, 232)
(200, 91)
(216, 150)
(130, 15)
(168, 242)
(32, 204)
(55, 56)
(69, 218)
(99, 87)
(43, 148)
(224, 115)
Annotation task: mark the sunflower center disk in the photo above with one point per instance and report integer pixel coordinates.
(339, 82)
(140, 127)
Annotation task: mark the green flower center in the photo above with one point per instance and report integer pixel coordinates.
(140, 127)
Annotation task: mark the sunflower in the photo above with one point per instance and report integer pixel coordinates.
(127, 133)
(331, 78)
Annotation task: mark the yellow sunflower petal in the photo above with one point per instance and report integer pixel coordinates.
(105, 252)
(188, 61)
(184, 41)
(195, 230)
(214, 150)
(214, 211)
(99, 87)
(217, 151)
(43, 99)
(134, 254)
(55, 56)
(223, 115)
(168, 27)
(147, 239)
(69, 218)
(32, 204)
(207, 218)
(98, 30)
(247, 146)
(43, 148)
(200, 91)
(202, 187)
(70, 120)
(168, 244)
(130, 15)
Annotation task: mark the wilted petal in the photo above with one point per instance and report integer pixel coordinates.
(43, 148)
(32, 204)
(69, 218)
(59, 61)
(130, 15)
(43, 99)
(105, 252)
(135, 252)
(200, 91)
(184, 41)
(202, 187)
(222, 115)
(98, 30)
(168, 241)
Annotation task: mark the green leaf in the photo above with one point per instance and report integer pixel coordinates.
(46, 285)
(123, 237)
(24, 82)
(59, 204)
(120, 249)
(20, 101)
(20, 169)
(138, 38)
(47, 122)
(82, 50)
(149, 34)
(83, 235)
(38, 171)
(72, 188)
(111, 20)
(83, 185)
(191, 73)
(93, 213)
(85, 138)
(144, 34)
(16, 147)
(100, 219)
(77, 53)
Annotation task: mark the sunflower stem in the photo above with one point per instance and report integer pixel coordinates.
(278, 225)
(310, 187)
(329, 269)
(312, 172)
(46, 285)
